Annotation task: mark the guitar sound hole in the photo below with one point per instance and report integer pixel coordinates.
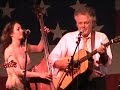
(74, 71)
(76, 64)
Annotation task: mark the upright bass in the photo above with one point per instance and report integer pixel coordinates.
(44, 65)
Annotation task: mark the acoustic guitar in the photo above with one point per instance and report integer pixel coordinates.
(81, 61)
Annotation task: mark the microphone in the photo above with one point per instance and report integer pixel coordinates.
(27, 31)
(80, 33)
(79, 36)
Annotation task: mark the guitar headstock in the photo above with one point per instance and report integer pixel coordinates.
(10, 64)
(116, 39)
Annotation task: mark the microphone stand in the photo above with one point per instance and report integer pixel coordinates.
(25, 68)
(70, 66)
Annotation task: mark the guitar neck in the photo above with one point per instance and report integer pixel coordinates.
(93, 52)
(89, 55)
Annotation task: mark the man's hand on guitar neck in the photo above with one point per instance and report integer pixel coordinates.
(103, 55)
(101, 49)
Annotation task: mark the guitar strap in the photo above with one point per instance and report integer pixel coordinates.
(91, 62)
(92, 40)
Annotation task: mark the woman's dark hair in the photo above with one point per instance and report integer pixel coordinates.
(6, 38)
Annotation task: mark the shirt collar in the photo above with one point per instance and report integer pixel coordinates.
(89, 36)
